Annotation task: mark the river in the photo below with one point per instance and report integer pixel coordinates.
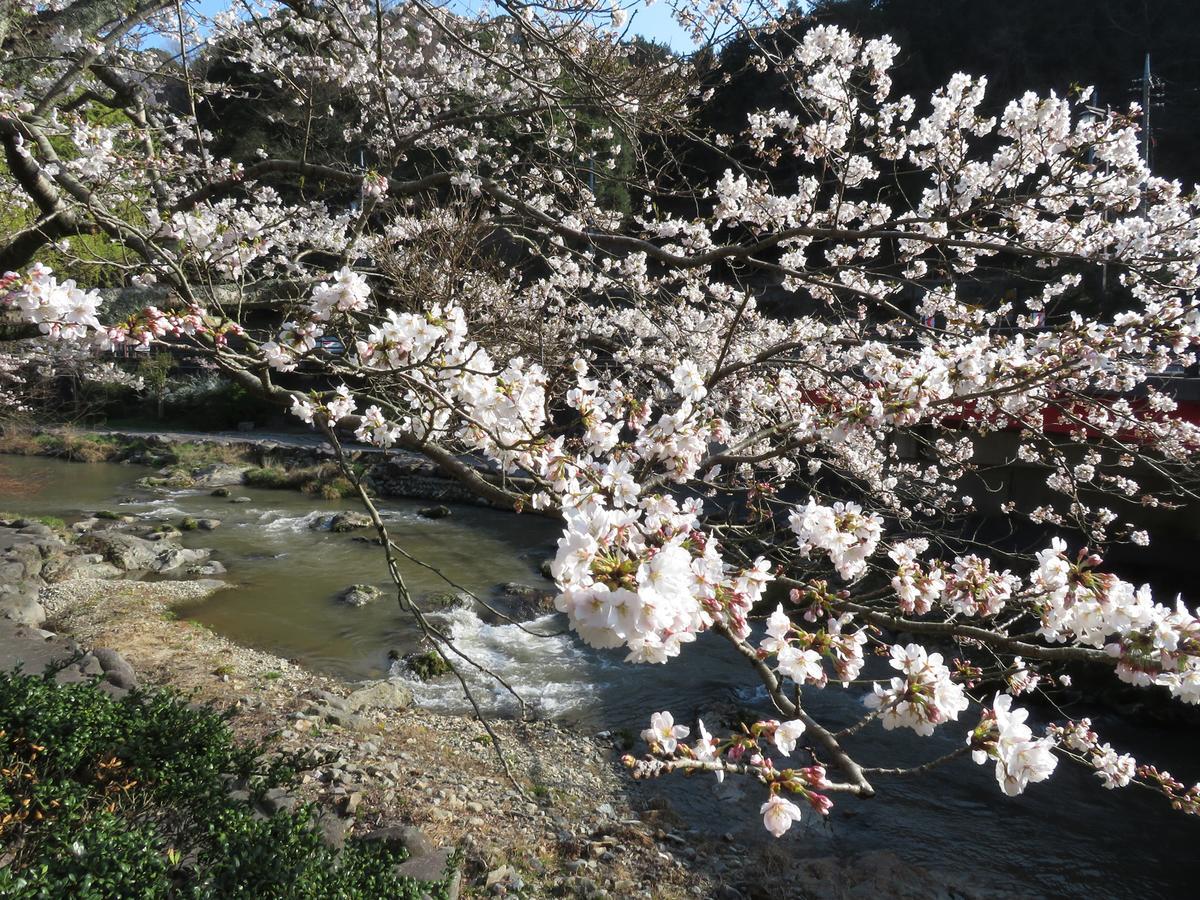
(1067, 837)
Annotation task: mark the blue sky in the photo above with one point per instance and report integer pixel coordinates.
(654, 22)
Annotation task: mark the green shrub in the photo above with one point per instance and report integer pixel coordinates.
(211, 402)
(325, 480)
(189, 455)
(70, 446)
(335, 488)
(103, 797)
(427, 665)
(272, 477)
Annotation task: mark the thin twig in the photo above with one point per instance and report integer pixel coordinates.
(437, 638)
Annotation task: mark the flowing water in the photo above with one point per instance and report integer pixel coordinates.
(1065, 838)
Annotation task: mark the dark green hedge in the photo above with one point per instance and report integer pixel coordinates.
(129, 798)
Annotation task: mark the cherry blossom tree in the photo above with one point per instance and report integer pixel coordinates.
(761, 405)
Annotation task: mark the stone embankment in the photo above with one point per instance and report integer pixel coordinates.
(416, 478)
(401, 474)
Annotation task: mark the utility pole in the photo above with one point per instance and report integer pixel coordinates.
(1146, 111)
(1092, 113)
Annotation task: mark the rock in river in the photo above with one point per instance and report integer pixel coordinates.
(359, 595)
(134, 554)
(349, 521)
(526, 601)
(218, 475)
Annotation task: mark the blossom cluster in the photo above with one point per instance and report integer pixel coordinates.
(973, 589)
(747, 751)
(61, 310)
(917, 588)
(922, 697)
(842, 530)
(1002, 735)
(800, 654)
(645, 578)
(1152, 643)
(1112, 768)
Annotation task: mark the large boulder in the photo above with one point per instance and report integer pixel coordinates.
(28, 555)
(130, 553)
(389, 694)
(85, 565)
(19, 602)
(207, 569)
(22, 561)
(445, 600)
(117, 670)
(11, 571)
(432, 866)
(127, 552)
(161, 532)
(173, 559)
(422, 665)
(37, 529)
(408, 838)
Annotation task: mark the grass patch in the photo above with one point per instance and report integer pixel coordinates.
(272, 477)
(62, 445)
(75, 446)
(191, 454)
(183, 460)
(324, 480)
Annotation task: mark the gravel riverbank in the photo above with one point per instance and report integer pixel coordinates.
(572, 831)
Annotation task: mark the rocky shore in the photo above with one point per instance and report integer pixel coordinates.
(431, 782)
(384, 770)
